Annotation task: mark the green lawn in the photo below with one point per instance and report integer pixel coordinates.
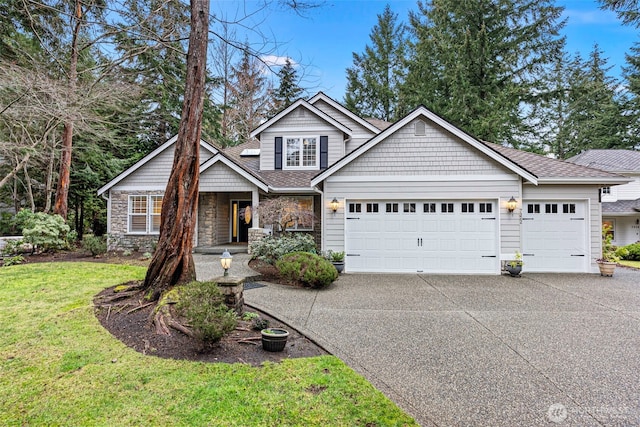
(58, 366)
(635, 264)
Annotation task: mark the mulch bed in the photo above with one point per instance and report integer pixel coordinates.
(129, 320)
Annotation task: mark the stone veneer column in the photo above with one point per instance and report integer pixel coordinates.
(256, 234)
(233, 290)
(206, 219)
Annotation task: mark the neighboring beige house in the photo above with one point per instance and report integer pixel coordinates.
(620, 203)
(419, 195)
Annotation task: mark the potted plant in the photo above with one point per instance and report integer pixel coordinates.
(274, 339)
(337, 259)
(607, 264)
(514, 267)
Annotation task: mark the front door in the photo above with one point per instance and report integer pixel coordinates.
(240, 220)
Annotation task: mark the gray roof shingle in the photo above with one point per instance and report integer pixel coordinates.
(621, 206)
(546, 167)
(609, 160)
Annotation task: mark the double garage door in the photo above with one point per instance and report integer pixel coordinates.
(422, 236)
(461, 236)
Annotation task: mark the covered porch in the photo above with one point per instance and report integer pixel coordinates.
(224, 220)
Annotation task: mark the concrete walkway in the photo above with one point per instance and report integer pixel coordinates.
(482, 350)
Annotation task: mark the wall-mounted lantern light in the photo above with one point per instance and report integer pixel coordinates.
(512, 204)
(225, 261)
(335, 205)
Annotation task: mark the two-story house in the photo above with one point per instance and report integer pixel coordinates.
(418, 195)
(620, 203)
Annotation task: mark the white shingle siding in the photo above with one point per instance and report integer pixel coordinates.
(155, 173)
(360, 133)
(630, 191)
(436, 153)
(221, 177)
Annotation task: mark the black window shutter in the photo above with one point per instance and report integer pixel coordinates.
(324, 152)
(278, 153)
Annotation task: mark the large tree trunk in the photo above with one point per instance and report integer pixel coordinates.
(172, 262)
(62, 193)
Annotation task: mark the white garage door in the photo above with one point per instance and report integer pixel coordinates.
(554, 236)
(422, 236)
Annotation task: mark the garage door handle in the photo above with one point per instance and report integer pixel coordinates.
(527, 219)
(488, 256)
(352, 218)
(489, 218)
(577, 219)
(577, 255)
(528, 254)
(353, 254)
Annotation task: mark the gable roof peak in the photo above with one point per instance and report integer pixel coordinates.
(321, 96)
(304, 104)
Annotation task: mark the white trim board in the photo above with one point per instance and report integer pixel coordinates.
(422, 178)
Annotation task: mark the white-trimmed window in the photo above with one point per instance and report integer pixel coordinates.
(144, 214)
(301, 152)
(304, 219)
(611, 224)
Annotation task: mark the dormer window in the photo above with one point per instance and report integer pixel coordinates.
(301, 152)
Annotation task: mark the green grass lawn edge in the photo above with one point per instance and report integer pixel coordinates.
(627, 263)
(58, 366)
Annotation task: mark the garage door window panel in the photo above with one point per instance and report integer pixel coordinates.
(533, 208)
(446, 208)
(429, 208)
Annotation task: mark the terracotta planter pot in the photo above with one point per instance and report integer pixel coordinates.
(607, 268)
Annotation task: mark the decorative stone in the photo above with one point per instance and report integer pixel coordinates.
(233, 290)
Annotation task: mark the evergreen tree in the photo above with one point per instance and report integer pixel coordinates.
(288, 89)
(376, 74)
(627, 10)
(248, 98)
(631, 73)
(476, 63)
(595, 119)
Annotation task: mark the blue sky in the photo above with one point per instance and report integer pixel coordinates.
(323, 41)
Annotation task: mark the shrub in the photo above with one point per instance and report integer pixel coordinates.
(633, 252)
(270, 249)
(95, 244)
(308, 269)
(7, 225)
(259, 324)
(12, 260)
(45, 232)
(13, 247)
(202, 305)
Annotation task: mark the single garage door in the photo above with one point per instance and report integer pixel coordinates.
(554, 236)
(422, 236)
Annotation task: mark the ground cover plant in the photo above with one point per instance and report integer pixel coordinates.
(59, 366)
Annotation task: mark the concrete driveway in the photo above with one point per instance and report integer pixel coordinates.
(482, 350)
